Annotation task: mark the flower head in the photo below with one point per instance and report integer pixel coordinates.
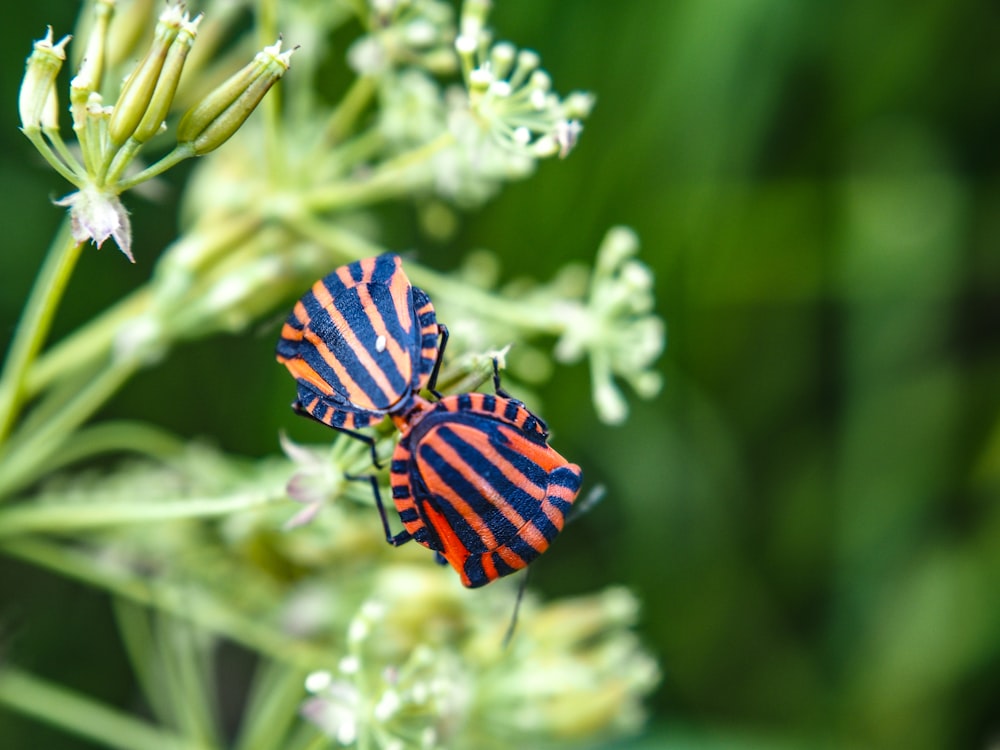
(616, 326)
(424, 666)
(506, 116)
(110, 136)
(38, 86)
(411, 33)
(97, 214)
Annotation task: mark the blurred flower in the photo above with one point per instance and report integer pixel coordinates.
(616, 326)
(505, 118)
(316, 481)
(425, 666)
(97, 214)
(415, 33)
(38, 85)
(110, 136)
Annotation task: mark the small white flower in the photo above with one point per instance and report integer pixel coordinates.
(95, 215)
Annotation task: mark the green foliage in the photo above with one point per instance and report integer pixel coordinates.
(808, 511)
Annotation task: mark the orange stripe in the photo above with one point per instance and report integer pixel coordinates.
(399, 290)
(490, 568)
(513, 559)
(302, 371)
(399, 357)
(291, 333)
(475, 478)
(454, 551)
(475, 521)
(361, 398)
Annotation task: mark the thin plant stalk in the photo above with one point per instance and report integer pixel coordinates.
(35, 323)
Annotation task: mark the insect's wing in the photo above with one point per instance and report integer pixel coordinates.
(495, 497)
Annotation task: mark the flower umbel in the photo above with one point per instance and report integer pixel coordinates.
(616, 327)
(110, 137)
(424, 667)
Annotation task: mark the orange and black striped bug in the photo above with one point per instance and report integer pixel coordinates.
(474, 479)
(360, 344)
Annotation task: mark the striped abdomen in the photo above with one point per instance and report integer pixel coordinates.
(360, 343)
(476, 480)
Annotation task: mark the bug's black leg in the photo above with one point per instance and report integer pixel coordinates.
(496, 380)
(395, 540)
(432, 382)
(366, 439)
(517, 608)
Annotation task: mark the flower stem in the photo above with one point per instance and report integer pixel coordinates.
(23, 458)
(84, 717)
(35, 323)
(187, 603)
(71, 517)
(533, 319)
(180, 153)
(56, 139)
(87, 345)
(39, 142)
(391, 179)
(354, 102)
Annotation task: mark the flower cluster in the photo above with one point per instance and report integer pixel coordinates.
(109, 137)
(424, 667)
(616, 328)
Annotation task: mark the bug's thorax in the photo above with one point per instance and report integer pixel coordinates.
(406, 419)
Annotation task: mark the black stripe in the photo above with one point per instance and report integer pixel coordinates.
(518, 498)
(385, 269)
(563, 476)
(408, 515)
(489, 402)
(475, 573)
(333, 284)
(356, 271)
(503, 569)
(461, 487)
(350, 307)
(400, 491)
(399, 467)
(465, 401)
(510, 411)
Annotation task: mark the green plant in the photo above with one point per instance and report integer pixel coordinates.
(358, 643)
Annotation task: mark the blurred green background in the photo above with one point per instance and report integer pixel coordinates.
(809, 511)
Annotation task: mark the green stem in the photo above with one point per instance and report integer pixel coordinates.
(74, 517)
(39, 142)
(114, 437)
(23, 459)
(391, 179)
(272, 707)
(35, 323)
(267, 32)
(534, 319)
(187, 603)
(181, 152)
(120, 160)
(56, 139)
(82, 716)
(353, 103)
(87, 345)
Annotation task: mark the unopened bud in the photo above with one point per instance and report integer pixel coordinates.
(166, 84)
(138, 89)
(93, 58)
(38, 85)
(210, 123)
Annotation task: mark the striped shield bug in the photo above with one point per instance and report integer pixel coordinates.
(474, 478)
(360, 344)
